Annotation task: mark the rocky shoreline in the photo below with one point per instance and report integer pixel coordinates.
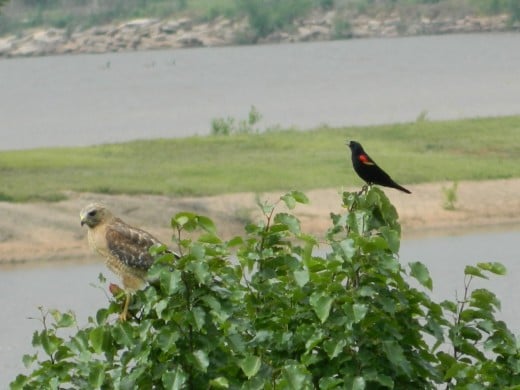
(149, 34)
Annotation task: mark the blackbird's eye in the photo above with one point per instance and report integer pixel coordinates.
(92, 213)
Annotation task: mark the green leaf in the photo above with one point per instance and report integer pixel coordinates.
(494, 267)
(330, 383)
(392, 238)
(209, 238)
(321, 304)
(170, 281)
(96, 376)
(314, 339)
(200, 270)
(484, 299)
(207, 224)
(160, 306)
(199, 317)
(123, 333)
(296, 377)
(450, 306)
(359, 311)
(63, 320)
(102, 316)
(96, 338)
(175, 379)
(420, 272)
(300, 197)
(219, 383)
(28, 360)
(167, 339)
(235, 241)
(348, 248)
(291, 198)
(359, 383)
(334, 347)
(470, 333)
(184, 220)
(49, 342)
(394, 353)
(201, 360)
(301, 277)
(290, 221)
(474, 271)
(250, 365)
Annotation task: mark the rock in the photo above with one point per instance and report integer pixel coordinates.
(48, 38)
(101, 30)
(138, 24)
(190, 40)
(27, 49)
(310, 33)
(173, 26)
(7, 44)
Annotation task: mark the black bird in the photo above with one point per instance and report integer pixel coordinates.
(368, 170)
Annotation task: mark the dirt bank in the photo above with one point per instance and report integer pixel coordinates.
(47, 232)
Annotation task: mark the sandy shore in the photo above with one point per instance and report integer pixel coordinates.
(35, 233)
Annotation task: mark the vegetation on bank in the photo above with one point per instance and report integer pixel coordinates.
(424, 151)
(265, 311)
(264, 16)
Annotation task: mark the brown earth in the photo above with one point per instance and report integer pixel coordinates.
(40, 233)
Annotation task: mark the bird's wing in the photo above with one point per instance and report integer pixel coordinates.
(365, 159)
(130, 245)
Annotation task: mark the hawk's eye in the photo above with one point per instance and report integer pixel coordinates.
(92, 213)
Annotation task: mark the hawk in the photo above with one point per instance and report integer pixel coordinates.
(124, 247)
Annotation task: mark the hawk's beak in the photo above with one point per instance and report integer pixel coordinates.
(82, 220)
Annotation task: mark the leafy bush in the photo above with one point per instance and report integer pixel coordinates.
(267, 311)
(450, 196)
(228, 125)
(266, 16)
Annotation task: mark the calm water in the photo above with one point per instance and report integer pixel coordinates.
(79, 100)
(72, 287)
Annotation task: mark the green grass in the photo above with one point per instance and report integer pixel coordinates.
(475, 149)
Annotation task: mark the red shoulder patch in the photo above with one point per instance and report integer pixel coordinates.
(365, 160)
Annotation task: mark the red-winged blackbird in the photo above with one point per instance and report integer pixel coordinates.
(368, 170)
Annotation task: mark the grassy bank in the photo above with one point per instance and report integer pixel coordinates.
(426, 151)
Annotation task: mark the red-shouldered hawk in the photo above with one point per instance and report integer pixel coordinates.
(125, 248)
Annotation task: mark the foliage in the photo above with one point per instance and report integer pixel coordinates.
(228, 126)
(266, 16)
(512, 7)
(2, 3)
(450, 196)
(277, 314)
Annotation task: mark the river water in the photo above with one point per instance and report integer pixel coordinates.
(92, 99)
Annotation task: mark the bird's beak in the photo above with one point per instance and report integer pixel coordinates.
(82, 220)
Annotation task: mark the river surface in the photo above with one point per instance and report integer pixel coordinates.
(92, 99)
(114, 97)
(73, 287)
